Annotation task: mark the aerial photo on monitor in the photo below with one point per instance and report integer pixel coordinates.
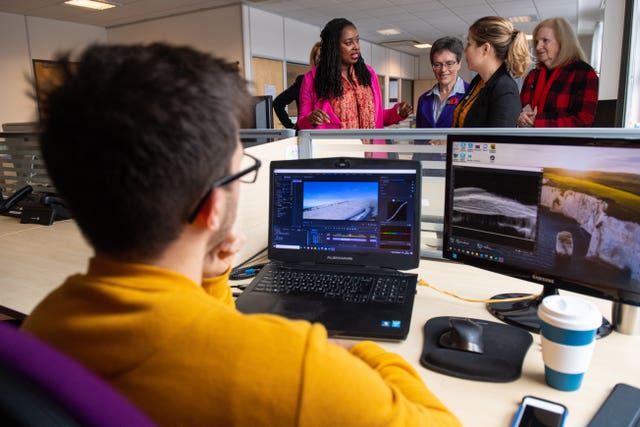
(595, 217)
(338, 200)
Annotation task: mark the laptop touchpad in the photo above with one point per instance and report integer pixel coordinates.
(299, 309)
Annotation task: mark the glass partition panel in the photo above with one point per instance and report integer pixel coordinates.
(251, 137)
(21, 163)
(429, 147)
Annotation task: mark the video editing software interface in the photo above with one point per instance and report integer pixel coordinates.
(345, 211)
(565, 211)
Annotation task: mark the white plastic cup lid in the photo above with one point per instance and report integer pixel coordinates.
(570, 312)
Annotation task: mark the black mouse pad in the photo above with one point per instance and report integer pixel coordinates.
(504, 349)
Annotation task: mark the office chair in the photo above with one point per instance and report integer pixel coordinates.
(40, 386)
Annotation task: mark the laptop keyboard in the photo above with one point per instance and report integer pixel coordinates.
(353, 288)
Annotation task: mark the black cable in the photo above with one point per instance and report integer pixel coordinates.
(251, 258)
(241, 273)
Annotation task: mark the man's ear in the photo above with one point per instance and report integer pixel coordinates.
(211, 212)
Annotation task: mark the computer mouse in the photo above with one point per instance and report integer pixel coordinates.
(463, 334)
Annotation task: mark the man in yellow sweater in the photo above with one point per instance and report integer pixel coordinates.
(142, 143)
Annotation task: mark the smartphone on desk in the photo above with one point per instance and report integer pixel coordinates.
(536, 412)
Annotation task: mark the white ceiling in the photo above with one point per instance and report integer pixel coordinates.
(418, 20)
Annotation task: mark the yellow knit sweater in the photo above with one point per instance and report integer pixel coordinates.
(187, 357)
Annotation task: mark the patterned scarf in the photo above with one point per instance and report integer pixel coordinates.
(355, 107)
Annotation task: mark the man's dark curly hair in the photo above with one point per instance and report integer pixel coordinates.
(328, 82)
(134, 137)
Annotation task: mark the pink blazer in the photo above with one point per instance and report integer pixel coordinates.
(309, 101)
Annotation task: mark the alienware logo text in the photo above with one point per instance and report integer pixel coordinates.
(340, 258)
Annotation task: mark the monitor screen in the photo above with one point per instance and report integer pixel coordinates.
(367, 213)
(560, 211)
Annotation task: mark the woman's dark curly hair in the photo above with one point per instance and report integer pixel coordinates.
(328, 82)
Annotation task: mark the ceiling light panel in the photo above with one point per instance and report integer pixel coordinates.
(388, 32)
(90, 4)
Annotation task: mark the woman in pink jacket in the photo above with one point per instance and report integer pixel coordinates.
(342, 92)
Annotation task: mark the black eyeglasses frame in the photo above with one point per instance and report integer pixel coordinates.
(227, 180)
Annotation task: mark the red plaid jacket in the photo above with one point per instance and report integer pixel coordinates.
(572, 98)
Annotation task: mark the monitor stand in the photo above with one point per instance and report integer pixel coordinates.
(524, 314)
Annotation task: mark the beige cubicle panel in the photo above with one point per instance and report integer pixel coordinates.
(253, 204)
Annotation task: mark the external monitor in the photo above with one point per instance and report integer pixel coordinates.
(563, 212)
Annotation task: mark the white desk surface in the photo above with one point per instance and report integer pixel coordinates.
(35, 259)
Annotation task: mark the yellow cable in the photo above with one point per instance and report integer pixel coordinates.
(486, 301)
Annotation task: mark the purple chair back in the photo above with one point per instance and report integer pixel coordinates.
(35, 376)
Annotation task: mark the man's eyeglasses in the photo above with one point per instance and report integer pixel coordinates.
(441, 65)
(248, 173)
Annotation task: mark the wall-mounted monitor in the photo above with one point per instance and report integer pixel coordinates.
(47, 75)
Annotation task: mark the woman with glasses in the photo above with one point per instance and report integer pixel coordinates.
(562, 91)
(342, 91)
(435, 107)
(496, 51)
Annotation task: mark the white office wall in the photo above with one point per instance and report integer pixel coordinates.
(365, 51)
(299, 38)
(394, 63)
(379, 59)
(16, 66)
(407, 66)
(48, 36)
(25, 38)
(424, 67)
(611, 50)
(267, 34)
(216, 31)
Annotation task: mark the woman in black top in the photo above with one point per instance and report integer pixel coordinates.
(291, 93)
(495, 50)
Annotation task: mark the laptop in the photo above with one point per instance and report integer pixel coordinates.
(356, 223)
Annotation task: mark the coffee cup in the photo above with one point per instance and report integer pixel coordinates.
(568, 329)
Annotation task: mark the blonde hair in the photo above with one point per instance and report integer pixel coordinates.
(570, 49)
(314, 53)
(509, 44)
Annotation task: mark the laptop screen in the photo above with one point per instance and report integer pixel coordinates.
(366, 213)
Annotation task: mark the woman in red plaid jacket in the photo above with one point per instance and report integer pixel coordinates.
(562, 91)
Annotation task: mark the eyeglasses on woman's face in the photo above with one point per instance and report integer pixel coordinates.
(440, 65)
(248, 174)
